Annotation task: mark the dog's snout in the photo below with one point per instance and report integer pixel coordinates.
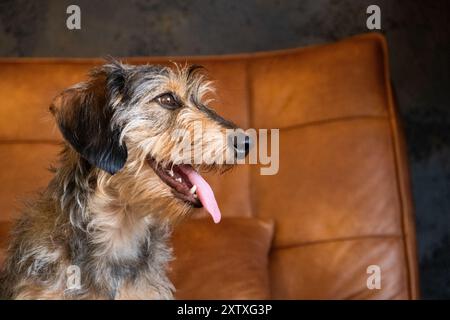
(242, 144)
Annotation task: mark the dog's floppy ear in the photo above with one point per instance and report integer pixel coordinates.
(84, 115)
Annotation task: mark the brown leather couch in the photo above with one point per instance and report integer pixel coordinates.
(341, 200)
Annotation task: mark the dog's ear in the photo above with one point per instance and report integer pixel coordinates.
(84, 115)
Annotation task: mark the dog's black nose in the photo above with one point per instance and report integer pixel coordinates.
(242, 144)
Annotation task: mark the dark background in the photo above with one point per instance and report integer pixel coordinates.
(417, 32)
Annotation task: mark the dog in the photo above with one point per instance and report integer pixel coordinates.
(118, 189)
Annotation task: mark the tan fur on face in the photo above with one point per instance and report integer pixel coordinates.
(121, 204)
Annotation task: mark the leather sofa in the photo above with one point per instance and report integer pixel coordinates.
(341, 200)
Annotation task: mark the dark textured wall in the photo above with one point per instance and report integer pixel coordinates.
(417, 32)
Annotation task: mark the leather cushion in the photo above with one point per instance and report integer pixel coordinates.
(337, 179)
(5, 226)
(338, 269)
(24, 173)
(343, 79)
(224, 261)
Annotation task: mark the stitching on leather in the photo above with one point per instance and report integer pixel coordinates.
(325, 241)
(29, 141)
(334, 120)
(250, 121)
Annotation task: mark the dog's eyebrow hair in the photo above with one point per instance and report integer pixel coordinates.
(213, 115)
(193, 69)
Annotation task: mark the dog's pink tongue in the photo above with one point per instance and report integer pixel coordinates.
(204, 192)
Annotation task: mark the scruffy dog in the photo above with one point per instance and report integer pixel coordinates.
(120, 185)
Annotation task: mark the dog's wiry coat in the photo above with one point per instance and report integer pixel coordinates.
(105, 210)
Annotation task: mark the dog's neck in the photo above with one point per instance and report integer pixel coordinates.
(112, 209)
(124, 234)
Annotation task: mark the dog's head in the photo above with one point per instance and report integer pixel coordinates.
(149, 128)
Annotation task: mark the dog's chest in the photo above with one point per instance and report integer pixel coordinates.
(135, 291)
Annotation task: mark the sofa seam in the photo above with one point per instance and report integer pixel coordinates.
(29, 141)
(395, 145)
(332, 121)
(342, 239)
(250, 123)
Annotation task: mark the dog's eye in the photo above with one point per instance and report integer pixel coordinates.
(168, 101)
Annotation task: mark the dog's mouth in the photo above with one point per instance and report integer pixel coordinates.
(188, 185)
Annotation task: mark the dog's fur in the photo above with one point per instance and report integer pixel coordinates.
(105, 210)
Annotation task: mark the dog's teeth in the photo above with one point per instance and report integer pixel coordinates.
(170, 173)
(193, 189)
(179, 180)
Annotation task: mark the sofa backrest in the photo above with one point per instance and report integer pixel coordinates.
(340, 201)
